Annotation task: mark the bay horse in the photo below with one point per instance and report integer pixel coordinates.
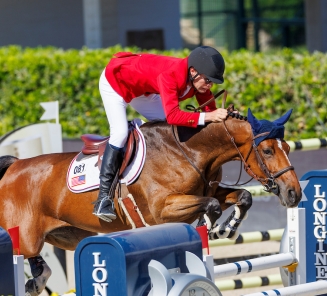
(180, 182)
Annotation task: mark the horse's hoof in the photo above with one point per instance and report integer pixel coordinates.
(30, 288)
(222, 233)
(235, 235)
(35, 286)
(217, 231)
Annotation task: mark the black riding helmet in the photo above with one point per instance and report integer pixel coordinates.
(208, 61)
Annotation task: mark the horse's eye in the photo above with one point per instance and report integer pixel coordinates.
(268, 151)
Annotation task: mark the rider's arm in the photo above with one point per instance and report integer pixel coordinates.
(169, 95)
(211, 113)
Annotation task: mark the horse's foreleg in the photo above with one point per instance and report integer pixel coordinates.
(188, 208)
(243, 201)
(41, 273)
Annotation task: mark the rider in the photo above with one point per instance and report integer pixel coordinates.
(153, 85)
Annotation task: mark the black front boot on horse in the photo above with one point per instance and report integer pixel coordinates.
(104, 205)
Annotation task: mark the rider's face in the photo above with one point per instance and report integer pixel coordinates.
(200, 82)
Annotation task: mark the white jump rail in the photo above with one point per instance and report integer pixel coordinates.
(252, 265)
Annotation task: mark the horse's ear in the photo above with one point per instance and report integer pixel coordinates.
(284, 118)
(255, 123)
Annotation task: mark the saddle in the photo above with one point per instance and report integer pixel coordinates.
(95, 144)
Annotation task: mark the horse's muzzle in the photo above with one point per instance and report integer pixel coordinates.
(290, 198)
(293, 198)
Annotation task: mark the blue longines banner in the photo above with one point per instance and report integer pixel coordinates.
(316, 210)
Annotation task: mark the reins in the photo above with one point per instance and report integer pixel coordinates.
(190, 161)
(192, 108)
(268, 183)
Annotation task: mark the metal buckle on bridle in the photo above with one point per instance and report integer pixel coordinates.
(271, 186)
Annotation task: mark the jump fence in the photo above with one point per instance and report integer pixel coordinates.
(308, 144)
(249, 282)
(250, 237)
(168, 258)
(255, 281)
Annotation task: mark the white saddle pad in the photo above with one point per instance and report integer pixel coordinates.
(83, 172)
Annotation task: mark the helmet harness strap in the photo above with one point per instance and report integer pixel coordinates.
(193, 77)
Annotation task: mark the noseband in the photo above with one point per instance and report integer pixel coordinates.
(270, 184)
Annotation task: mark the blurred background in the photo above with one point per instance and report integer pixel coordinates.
(258, 25)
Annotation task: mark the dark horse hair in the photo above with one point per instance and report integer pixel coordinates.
(5, 162)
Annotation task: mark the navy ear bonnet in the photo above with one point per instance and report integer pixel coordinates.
(276, 128)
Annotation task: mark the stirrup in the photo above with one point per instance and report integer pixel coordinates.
(101, 205)
(103, 217)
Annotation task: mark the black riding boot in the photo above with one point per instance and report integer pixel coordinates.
(104, 205)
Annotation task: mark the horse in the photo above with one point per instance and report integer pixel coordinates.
(180, 182)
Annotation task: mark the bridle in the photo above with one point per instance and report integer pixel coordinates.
(268, 183)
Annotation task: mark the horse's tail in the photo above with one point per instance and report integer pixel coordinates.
(5, 162)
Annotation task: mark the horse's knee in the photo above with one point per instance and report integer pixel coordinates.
(213, 210)
(212, 213)
(213, 206)
(41, 273)
(228, 229)
(245, 200)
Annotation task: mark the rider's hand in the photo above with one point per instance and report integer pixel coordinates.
(217, 115)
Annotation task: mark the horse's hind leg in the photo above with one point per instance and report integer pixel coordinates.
(242, 199)
(41, 273)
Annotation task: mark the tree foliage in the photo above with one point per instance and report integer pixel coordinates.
(269, 84)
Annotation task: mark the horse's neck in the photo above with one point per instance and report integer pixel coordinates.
(239, 134)
(204, 144)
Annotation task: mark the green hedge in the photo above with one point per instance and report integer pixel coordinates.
(269, 84)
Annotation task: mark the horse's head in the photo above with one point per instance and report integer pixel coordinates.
(268, 161)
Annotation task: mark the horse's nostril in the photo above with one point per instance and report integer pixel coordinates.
(292, 197)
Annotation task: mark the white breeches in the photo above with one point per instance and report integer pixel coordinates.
(148, 106)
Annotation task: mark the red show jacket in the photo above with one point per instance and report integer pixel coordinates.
(132, 75)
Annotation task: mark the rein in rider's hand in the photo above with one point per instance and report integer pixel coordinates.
(198, 109)
(210, 116)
